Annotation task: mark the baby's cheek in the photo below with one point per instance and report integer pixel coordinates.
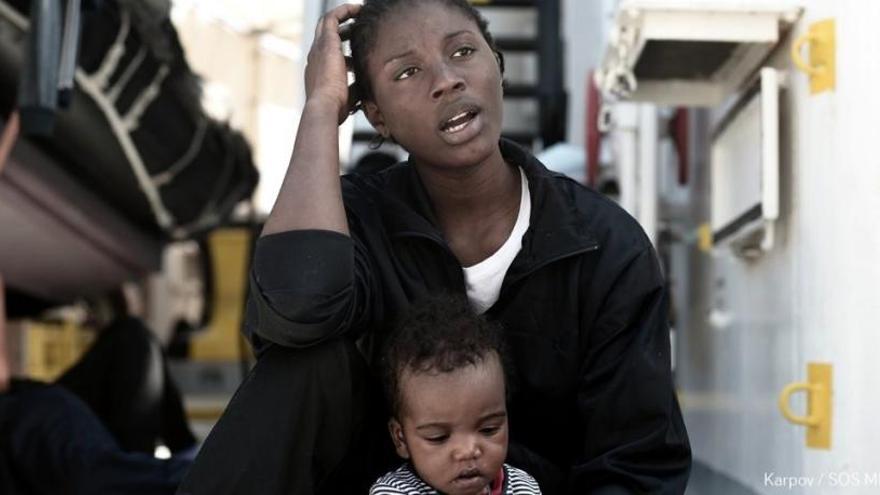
(497, 453)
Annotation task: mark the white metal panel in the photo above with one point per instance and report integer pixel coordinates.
(769, 144)
(624, 139)
(722, 25)
(840, 192)
(813, 298)
(736, 167)
(745, 170)
(647, 179)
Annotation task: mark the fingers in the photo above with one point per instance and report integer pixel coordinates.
(332, 19)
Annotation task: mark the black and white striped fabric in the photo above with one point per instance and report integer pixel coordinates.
(403, 481)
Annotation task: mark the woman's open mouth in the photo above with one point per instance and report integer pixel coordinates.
(461, 124)
(458, 122)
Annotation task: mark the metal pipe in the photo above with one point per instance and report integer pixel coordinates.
(551, 95)
(69, 49)
(647, 174)
(38, 88)
(625, 145)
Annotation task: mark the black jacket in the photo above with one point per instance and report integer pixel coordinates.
(583, 305)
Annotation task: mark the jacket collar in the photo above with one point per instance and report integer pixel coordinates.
(556, 229)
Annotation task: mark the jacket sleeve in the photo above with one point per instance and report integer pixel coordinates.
(306, 286)
(634, 436)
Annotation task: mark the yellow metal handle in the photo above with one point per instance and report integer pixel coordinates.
(785, 407)
(798, 59)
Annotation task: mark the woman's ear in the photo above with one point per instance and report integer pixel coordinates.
(499, 57)
(396, 431)
(377, 120)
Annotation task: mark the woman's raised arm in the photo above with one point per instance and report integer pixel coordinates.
(310, 196)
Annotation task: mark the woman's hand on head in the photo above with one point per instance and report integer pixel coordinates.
(326, 75)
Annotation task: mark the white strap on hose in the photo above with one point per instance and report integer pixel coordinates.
(114, 54)
(132, 119)
(91, 87)
(186, 159)
(132, 67)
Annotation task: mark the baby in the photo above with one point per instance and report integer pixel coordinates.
(445, 383)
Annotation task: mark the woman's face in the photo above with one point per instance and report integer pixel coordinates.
(436, 85)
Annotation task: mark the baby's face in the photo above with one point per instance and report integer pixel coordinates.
(454, 426)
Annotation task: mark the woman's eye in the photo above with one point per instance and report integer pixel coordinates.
(405, 73)
(463, 51)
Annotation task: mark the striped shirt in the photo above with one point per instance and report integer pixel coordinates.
(403, 481)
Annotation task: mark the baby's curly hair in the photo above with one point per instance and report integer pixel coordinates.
(440, 334)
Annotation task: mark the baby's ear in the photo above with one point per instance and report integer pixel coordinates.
(396, 431)
(377, 120)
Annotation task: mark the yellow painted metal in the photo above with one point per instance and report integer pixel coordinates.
(823, 48)
(230, 257)
(818, 388)
(51, 348)
(704, 238)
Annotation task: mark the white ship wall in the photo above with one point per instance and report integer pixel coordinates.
(747, 328)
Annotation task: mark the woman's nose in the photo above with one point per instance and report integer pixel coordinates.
(446, 81)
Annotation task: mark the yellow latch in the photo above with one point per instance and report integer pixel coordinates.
(821, 68)
(819, 395)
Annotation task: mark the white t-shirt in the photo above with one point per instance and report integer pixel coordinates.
(483, 280)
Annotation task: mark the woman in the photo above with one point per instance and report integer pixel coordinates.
(570, 276)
